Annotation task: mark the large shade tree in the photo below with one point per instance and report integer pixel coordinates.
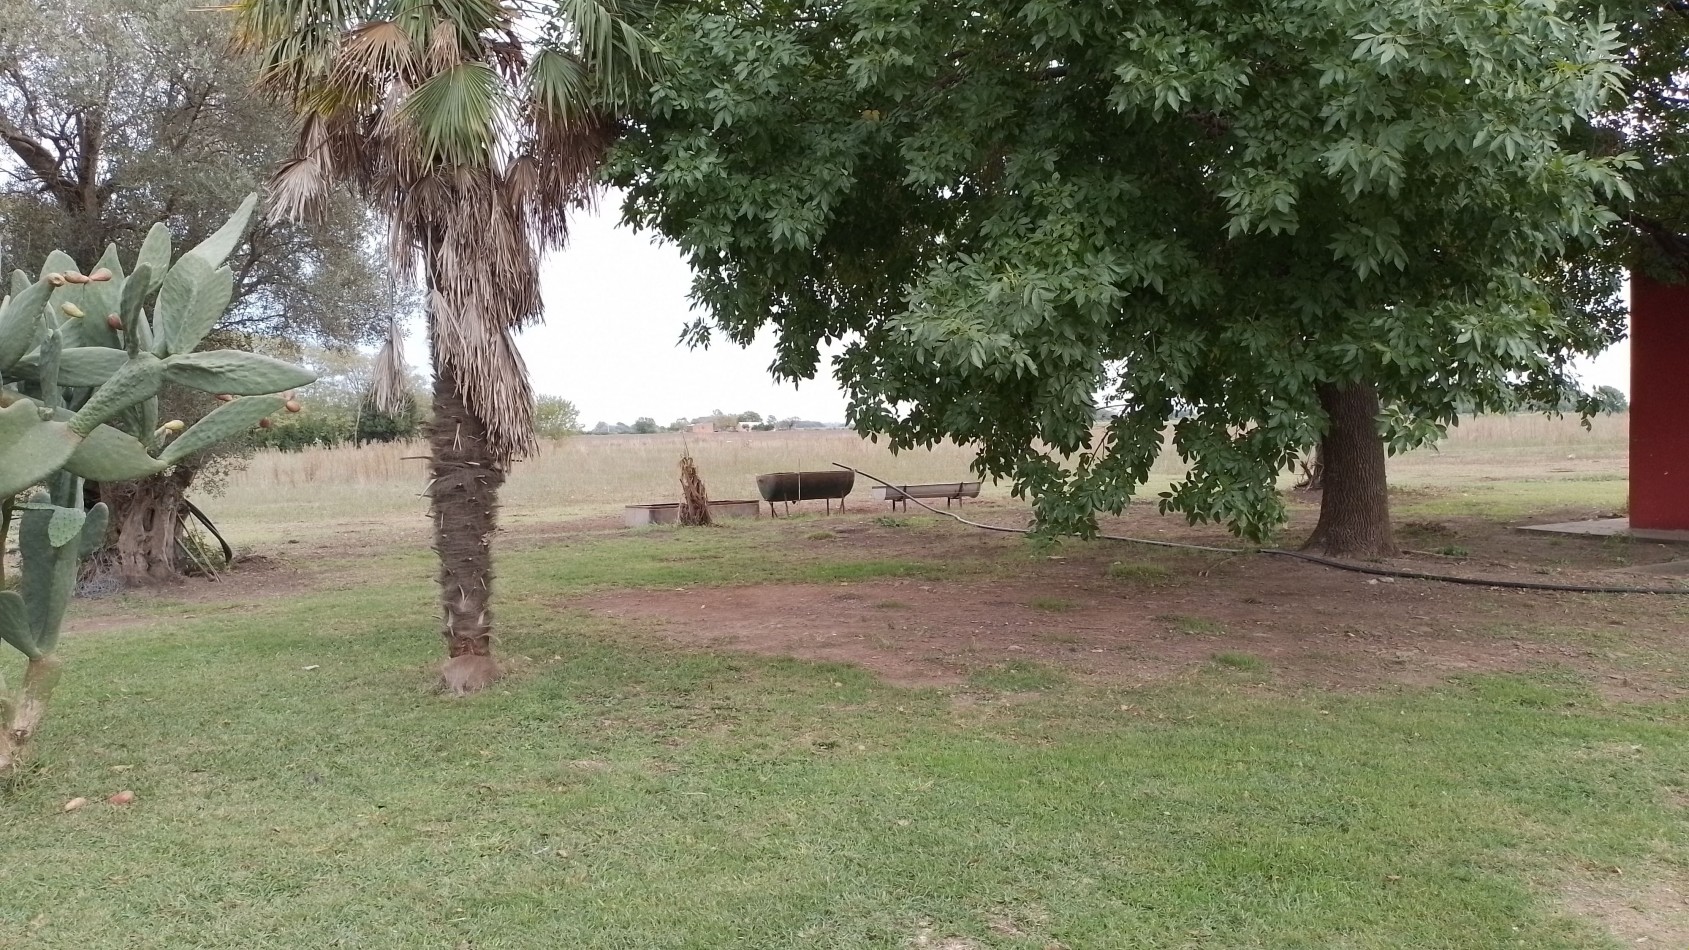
(474, 128)
(1258, 224)
(1651, 122)
(118, 114)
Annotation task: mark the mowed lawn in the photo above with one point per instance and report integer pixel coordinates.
(299, 785)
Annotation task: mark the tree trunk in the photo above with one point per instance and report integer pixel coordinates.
(1355, 506)
(146, 522)
(463, 501)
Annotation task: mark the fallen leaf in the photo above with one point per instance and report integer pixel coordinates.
(122, 798)
(75, 803)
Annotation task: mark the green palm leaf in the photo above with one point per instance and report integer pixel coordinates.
(456, 115)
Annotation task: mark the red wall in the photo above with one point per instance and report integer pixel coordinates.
(1659, 404)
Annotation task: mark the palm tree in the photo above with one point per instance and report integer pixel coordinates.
(473, 128)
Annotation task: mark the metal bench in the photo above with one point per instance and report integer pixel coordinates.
(944, 490)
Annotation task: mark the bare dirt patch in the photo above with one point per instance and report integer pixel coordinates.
(1098, 612)
(1639, 913)
(1308, 626)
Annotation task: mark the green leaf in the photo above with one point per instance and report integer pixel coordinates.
(20, 322)
(34, 449)
(94, 530)
(108, 454)
(235, 372)
(138, 379)
(194, 298)
(216, 249)
(229, 419)
(155, 255)
(65, 526)
(80, 366)
(49, 576)
(456, 114)
(14, 623)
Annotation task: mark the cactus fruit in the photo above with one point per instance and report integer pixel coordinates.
(79, 402)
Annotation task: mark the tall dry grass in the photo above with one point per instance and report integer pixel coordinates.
(576, 475)
(590, 474)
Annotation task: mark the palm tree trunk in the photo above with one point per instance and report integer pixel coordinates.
(463, 503)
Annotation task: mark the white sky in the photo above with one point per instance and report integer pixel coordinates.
(615, 305)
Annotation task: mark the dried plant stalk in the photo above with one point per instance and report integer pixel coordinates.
(694, 500)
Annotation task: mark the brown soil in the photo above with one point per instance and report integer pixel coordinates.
(1308, 624)
(1642, 913)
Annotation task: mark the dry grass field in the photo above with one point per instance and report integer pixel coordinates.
(325, 489)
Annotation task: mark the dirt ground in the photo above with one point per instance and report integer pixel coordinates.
(1163, 614)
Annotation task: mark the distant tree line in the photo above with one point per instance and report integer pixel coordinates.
(718, 421)
(339, 410)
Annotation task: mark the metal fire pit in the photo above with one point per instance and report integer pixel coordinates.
(787, 487)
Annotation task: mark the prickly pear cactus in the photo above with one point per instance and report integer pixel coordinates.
(82, 358)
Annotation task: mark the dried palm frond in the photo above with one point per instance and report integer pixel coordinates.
(694, 501)
(390, 389)
(473, 142)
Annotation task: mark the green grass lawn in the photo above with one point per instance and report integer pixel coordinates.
(299, 787)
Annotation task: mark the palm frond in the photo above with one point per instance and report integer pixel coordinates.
(390, 389)
(457, 115)
(604, 34)
(378, 50)
(474, 145)
(557, 86)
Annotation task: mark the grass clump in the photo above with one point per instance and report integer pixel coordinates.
(1142, 572)
(1243, 662)
(1055, 605)
(1018, 677)
(1195, 626)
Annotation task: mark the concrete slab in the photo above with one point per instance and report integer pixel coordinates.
(1609, 528)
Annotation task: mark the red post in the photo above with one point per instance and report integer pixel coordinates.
(1659, 404)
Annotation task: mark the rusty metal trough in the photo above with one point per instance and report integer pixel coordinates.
(787, 487)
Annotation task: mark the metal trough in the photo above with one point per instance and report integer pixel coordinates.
(944, 490)
(787, 487)
(636, 516)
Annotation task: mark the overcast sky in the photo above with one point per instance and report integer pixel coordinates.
(615, 305)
